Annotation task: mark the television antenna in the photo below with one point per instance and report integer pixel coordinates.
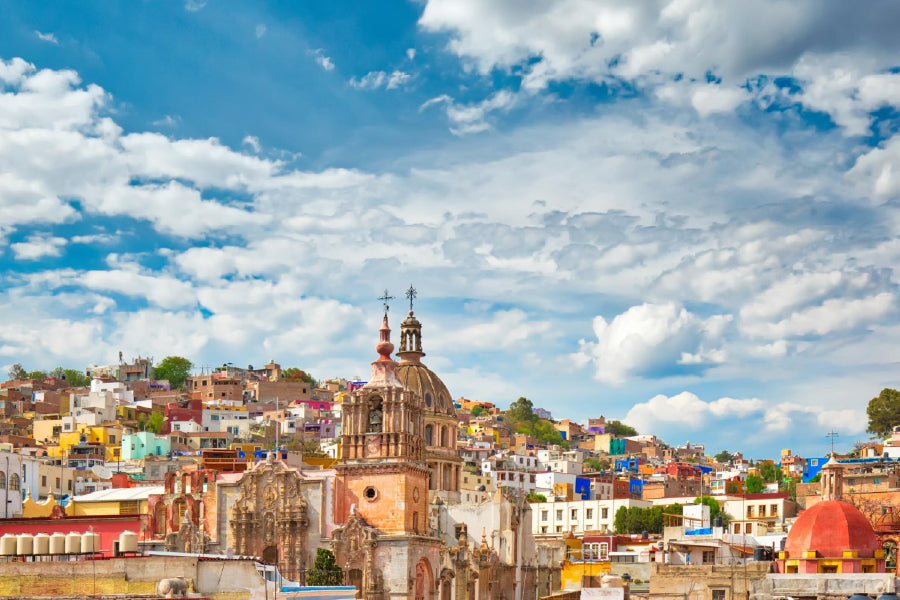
(832, 434)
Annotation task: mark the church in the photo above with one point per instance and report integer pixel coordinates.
(402, 531)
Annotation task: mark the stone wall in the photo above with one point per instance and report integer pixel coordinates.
(220, 579)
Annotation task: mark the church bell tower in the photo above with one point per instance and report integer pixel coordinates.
(381, 470)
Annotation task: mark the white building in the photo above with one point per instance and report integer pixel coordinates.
(11, 484)
(557, 518)
(571, 461)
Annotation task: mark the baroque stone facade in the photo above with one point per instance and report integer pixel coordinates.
(270, 519)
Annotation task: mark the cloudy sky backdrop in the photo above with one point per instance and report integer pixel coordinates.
(681, 214)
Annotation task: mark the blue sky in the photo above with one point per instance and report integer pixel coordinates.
(653, 212)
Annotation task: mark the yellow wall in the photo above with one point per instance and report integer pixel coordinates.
(43, 429)
(95, 509)
(572, 572)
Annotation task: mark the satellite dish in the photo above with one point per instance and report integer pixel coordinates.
(101, 472)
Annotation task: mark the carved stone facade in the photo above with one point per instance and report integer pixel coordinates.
(270, 519)
(183, 517)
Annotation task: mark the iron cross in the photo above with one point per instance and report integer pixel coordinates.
(411, 293)
(386, 299)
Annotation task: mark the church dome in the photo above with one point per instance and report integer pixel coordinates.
(831, 527)
(423, 381)
(417, 377)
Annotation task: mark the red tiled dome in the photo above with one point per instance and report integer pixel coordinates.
(830, 527)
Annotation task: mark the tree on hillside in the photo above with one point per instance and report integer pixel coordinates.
(37, 375)
(477, 411)
(521, 411)
(295, 374)
(176, 369)
(155, 422)
(16, 371)
(754, 484)
(884, 412)
(619, 428)
(769, 472)
(73, 378)
(724, 456)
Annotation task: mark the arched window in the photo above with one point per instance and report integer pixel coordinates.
(428, 400)
(429, 435)
(443, 437)
(2, 479)
(14, 482)
(376, 415)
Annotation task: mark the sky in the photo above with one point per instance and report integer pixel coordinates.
(681, 214)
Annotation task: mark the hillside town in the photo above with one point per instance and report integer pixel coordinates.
(392, 487)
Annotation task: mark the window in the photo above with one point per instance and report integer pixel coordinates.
(544, 529)
(589, 513)
(737, 527)
(748, 527)
(43, 481)
(574, 512)
(773, 510)
(604, 513)
(718, 594)
(14, 482)
(604, 551)
(543, 515)
(2, 479)
(559, 514)
(559, 529)
(762, 510)
(749, 512)
(709, 557)
(814, 462)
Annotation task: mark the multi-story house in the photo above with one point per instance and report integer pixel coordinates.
(558, 518)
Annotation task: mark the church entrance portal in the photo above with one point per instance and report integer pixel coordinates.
(424, 580)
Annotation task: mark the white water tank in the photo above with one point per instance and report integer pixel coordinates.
(128, 541)
(58, 543)
(90, 542)
(25, 544)
(73, 543)
(8, 545)
(41, 544)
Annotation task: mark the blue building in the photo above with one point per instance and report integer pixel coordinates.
(812, 467)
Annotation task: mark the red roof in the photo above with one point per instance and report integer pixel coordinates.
(829, 528)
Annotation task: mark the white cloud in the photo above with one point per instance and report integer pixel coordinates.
(877, 172)
(195, 5)
(252, 142)
(688, 411)
(472, 118)
(167, 121)
(50, 38)
(322, 60)
(378, 79)
(651, 340)
(38, 246)
(259, 31)
(410, 53)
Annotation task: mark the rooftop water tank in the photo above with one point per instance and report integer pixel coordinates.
(8, 545)
(90, 542)
(128, 541)
(58, 543)
(73, 543)
(25, 544)
(41, 544)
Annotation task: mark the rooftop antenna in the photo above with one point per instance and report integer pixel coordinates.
(385, 299)
(832, 434)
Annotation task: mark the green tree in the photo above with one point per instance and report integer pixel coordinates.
(715, 509)
(769, 472)
(176, 369)
(39, 375)
(754, 484)
(732, 487)
(521, 412)
(535, 497)
(596, 465)
(325, 570)
(477, 411)
(884, 412)
(76, 378)
(619, 428)
(724, 456)
(155, 422)
(16, 371)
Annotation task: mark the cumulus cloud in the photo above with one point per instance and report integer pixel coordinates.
(688, 411)
(472, 118)
(651, 340)
(38, 246)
